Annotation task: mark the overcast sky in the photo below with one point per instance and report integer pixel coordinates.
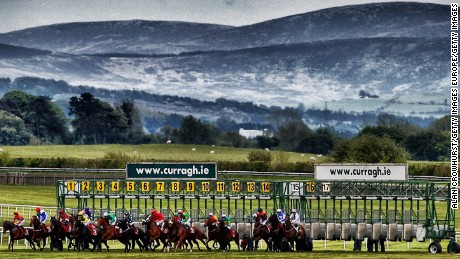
(20, 14)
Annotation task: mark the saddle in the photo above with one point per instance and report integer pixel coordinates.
(65, 227)
(44, 228)
(134, 230)
(231, 233)
(92, 229)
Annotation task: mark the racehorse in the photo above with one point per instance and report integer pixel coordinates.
(277, 232)
(109, 232)
(138, 235)
(15, 234)
(183, 234)
(61, 231)
(292, 235)
(156, 234)
(84, 235)
(41, 232)
(261, 231)
(224, 235)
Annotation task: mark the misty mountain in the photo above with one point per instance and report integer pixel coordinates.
(135, 36)
(398, 51)
(303, 73)
(398, 19)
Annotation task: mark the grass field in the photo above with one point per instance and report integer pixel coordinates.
(45, 196)
(157, 152)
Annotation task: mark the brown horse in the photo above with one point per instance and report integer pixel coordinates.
(213, 235)
(261, 231)
(276, 233)
(41, 232)
(15, 234)
(157, 234)
(292, 235)
(62, 230)
(183, 234)
(109, 232)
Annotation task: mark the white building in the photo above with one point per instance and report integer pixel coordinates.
(254, 133)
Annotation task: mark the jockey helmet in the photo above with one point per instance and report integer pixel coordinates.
(61, 211)
(294, 211)
(105, 214)
(37, 209)
(179, 211)
(278, 210)
(224, 216)
(211, 214)
(80, 213)
(15, 213)
(176, 214)
(259, 209)
(254, 215)
(126, 213)
(86, 209)
(154, 211)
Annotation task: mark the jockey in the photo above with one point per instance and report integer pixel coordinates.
(64, 218)
(177, 217)
(128, 219)
(263, 216)
(281, 216)
(212, 218)
(225, 220)
(41, 215)
(157, 217)
(295, 219)
(88, 213)
(111, 218)
(18, 220)
(83, 218)
(186, 220)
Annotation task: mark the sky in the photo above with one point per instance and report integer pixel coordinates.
(21, 14)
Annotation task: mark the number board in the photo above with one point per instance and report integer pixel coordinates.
(85, 186)
(220, 186)
(251, 186)
(115, 186)
(175, 186)
(160, 186)
(70, 186)
(190, 187)
(205, 186)
(265, 187)
(236, 186)
(130, 186)
(145, 186)
(310, 187)
(100, 186)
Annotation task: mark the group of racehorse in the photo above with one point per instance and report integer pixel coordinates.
(171, 233)
(279, 237)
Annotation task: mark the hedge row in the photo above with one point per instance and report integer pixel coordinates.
(415, 168)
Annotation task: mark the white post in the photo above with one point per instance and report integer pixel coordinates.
(344, 245)
(325, 244)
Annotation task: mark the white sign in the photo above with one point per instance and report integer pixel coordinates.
(361, 172)
(293, 188)
(326, 187)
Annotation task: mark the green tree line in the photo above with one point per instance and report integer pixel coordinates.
(30, 120)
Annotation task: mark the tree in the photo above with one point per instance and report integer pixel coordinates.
(264, 142)
(133, 117)
(280, 116)
(12, 130)
(373, 149)
(192, 131)
(429, 145)
(41, 116)
(291, 133)
(320, 142)
(97, 122)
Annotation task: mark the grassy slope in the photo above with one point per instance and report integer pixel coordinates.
(158, 152)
